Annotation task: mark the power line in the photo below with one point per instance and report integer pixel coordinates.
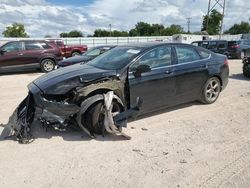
(212, 4)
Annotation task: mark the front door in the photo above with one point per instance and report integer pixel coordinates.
(11, 55)
(157, 86)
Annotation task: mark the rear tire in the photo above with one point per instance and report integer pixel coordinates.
(48, 65)
(211, 91)
(76, 54)
(246, 70)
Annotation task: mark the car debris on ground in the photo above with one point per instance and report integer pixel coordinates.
(20, 122)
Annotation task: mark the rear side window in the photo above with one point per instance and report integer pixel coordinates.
(195, 43)
(186, 54)
(204, 44)
(221, 45)
(59, 43)
(212, 45)
(204, 54)
(45, 45)
(33, 46)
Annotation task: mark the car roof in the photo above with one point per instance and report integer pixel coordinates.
(152, 44)
(105, 46)
(210, 41)
(28, 41)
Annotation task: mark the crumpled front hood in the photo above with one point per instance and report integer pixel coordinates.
(74, 60)
(62, 80)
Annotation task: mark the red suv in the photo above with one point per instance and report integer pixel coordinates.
(29, 54)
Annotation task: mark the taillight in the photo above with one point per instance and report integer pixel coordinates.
(226, 62)
(235, 46)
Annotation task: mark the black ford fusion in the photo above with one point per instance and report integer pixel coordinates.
(87, 56)
(160, 74)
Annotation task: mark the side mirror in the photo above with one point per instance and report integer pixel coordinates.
(141, 69)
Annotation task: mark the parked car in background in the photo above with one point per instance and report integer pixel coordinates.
(87, 56)
(232, 49)
(237, 48)
(69, 50)
(29, 54)
(217, 46)
(161, 74)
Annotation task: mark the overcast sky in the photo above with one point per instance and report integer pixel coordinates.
(52, 17)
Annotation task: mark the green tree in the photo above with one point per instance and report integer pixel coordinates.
(157, 30)
(242, 28)
(116, 33)
(75, 33)
(63, 35)
(133, 32)
(214, 21)
(172, 29)
(72, 34)
(15, 30)
(143, 29)
(101, 33)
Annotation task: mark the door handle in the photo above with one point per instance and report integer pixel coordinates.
(204, 66)
(168, 72)
(20, 54)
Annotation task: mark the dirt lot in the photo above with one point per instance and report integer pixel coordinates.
(192, 145)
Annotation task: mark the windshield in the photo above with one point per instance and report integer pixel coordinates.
(116, 58)
(92, 52)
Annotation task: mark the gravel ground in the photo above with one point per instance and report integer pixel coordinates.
(191, 145)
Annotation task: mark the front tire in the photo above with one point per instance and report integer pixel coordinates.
(211, 91)
(76, 54)
(95, 116)
(48, 65)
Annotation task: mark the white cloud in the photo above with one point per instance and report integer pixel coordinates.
(41, 17)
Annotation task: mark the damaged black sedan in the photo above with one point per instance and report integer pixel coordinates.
(99, 96)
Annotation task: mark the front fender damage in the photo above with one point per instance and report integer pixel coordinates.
(59, 114)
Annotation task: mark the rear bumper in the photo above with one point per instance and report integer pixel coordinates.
(234, 54)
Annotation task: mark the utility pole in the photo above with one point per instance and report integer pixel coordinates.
(110, 30)
(188, 23)
(212, 4)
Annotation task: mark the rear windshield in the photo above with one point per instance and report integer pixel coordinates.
(233, 43)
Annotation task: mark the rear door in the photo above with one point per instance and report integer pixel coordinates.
(213, 46)
(156, 87)
(191, 72)
(12, 56)
(33, 52)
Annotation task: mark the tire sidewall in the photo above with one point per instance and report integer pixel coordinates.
(75, 54)
(93, 115)
(204, 98)
(44, 61)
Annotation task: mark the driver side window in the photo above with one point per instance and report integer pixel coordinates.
(13, 46)
(156, 58)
